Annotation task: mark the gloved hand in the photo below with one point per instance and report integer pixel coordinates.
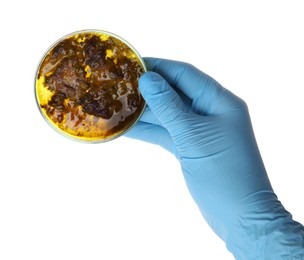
(209, 130)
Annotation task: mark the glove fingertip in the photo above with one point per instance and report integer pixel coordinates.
(150, 83)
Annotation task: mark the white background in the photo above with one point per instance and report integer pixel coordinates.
(125, 199)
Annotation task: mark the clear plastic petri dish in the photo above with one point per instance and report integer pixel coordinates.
(86, 86)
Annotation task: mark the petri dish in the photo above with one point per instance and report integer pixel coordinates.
(86, 86)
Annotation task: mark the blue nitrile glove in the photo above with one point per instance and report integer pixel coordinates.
(209, 130)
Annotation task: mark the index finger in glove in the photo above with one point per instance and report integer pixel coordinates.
(208, 96)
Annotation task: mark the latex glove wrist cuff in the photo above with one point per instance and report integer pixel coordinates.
(267, 232)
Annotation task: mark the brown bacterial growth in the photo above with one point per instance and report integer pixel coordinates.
(87, 86)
